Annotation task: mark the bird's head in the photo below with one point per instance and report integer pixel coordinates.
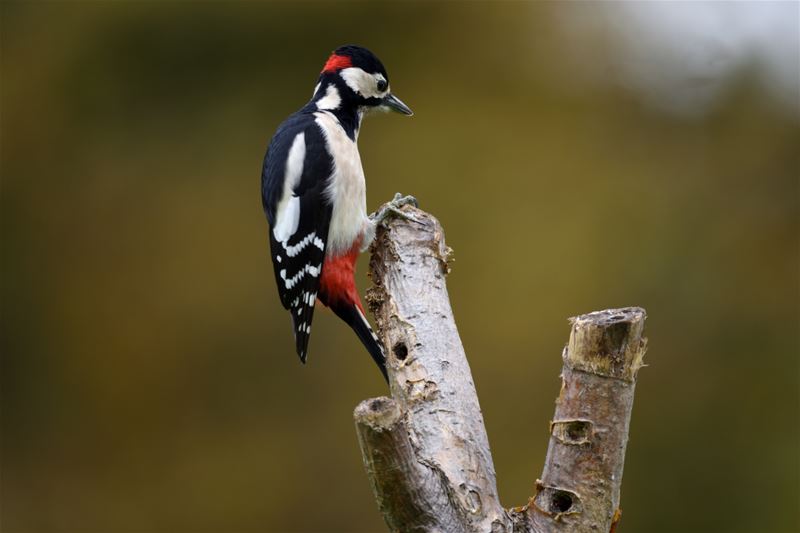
(354, 77)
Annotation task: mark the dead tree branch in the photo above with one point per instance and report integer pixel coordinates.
(425, 449)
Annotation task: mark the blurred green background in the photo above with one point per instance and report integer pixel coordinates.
(580, 156)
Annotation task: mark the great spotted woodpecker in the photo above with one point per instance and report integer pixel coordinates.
(314, 195)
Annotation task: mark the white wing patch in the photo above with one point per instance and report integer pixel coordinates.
(287, 215)
(287, 220)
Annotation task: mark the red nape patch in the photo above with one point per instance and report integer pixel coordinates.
(337, 282)
(337, 62)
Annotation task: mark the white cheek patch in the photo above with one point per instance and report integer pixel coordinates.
(362, 82)
(287, 215)
(331, 100)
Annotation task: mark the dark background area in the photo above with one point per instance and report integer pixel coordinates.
(149, 382)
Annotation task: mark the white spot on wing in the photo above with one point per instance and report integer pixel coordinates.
(291, 282)
(294, 280)
(295, 249)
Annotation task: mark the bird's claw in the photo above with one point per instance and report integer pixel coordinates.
(399, 200)
(393, 209)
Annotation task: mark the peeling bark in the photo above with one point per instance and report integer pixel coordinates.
(425, 449)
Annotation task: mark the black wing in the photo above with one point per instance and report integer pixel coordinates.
(298, 259)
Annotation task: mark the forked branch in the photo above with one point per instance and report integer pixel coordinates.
(425, 449)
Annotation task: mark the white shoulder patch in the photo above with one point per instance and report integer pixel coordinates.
(287, 220)
(287, 215)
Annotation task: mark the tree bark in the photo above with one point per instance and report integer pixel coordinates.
(425, 449)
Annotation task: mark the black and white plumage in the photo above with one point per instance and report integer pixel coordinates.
(314, 195)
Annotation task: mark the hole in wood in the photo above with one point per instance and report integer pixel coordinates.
(555, 501)
(560, 501)
(574, 432)
(578, 430)
(400, 351)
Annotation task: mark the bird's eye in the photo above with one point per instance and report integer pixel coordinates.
(382, 84)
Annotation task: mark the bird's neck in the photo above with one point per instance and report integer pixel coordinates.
(336, 100)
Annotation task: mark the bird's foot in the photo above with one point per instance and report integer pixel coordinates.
(393, 209)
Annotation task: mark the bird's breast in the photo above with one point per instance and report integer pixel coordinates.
(346, 190)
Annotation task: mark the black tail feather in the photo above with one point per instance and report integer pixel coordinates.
(356, 319)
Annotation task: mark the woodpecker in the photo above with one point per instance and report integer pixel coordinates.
(314, 196)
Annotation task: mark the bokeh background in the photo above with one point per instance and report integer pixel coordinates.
(580, 156)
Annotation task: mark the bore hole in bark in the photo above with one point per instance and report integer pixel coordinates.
(555, 501)
(561, 501)
(578, 430)
(400, 351)
(572, 432)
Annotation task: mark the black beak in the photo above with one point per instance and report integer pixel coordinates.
(395, 104)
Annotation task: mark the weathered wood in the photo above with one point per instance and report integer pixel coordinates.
(411, 496)
(580, 486)
(425, 449)
(429, 377)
